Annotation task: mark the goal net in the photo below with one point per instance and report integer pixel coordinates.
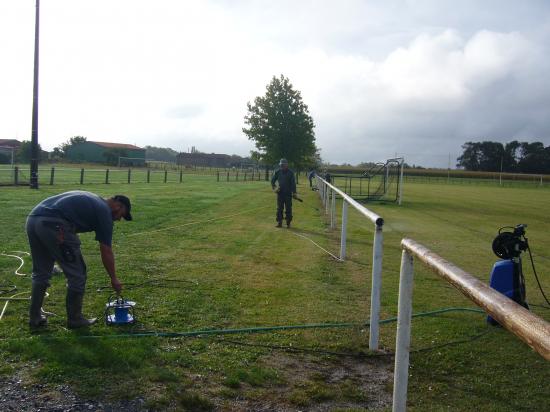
(7, 159)
(130, 161)
(382, 182)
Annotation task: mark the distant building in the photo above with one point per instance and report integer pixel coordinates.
(210, 160)
(103, 152)
(14, 144)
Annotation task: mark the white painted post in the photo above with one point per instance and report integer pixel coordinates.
(327, 194)
(333, 211)
(403, 339)
(386, 181)
(344, 229)
(376, 287)
(401, 184)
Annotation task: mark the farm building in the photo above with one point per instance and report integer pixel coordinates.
(103, 152)
(11, 143)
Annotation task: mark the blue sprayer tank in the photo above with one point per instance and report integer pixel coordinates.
(507, 278)
(502, 277)
(507, 274)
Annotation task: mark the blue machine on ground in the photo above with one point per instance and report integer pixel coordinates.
(507, 274)
(119, 311)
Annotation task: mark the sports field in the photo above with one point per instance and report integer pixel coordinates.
(205, 255)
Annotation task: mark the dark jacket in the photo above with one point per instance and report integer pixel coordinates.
(287, 181)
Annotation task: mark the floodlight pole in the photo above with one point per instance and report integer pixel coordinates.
(35, 153)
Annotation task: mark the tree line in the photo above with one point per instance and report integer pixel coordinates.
(512, 157)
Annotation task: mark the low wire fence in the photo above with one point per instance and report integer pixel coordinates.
(51, 176)
(510, 180)
(460, 177)
(20, 175)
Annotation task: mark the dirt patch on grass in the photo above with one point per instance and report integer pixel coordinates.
(17, 393)
(308, 383)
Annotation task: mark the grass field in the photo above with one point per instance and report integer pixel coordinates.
(205, 255)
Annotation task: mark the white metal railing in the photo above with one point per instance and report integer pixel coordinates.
(328, 193)
(528, 327)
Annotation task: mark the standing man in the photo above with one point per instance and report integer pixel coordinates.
(285, 192)
(52, 228)
(310, 176)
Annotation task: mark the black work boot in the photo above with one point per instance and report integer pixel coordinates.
(279, 223)
(75, 319)
(36, 319)
(288, 223)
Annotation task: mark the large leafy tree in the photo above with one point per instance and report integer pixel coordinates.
(280, 125)
(23, 153)
(61, 150)
(160, 153)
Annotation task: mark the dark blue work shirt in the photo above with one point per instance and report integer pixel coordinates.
(287, 180)
(87, 211)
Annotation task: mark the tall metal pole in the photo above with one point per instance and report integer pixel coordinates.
(35, 153)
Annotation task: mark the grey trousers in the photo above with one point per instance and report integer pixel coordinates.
(53, 239)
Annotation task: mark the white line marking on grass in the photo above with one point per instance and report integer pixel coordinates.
(319, 246)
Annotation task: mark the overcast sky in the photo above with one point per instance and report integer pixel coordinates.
(411, 78)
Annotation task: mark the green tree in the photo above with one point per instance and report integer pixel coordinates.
(164, 154)
(523, 157)
(469, 159)
(23, 153)
(535, 158)
(63, 147)
(280, 125)
(482, 156)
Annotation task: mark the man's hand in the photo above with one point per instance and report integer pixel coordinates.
(117, 286)
(108, 259)
(275, 189)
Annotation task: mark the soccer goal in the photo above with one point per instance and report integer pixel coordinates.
(7, 164)
(130, 161)
(382, 182)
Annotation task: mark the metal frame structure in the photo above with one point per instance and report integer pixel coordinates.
(525, 325)
(328, 196)
(141, 160)
(373, 184)
(12, 153)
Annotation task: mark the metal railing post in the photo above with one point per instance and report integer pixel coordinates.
(344, 229)
(82, 176)
(400, 183)
(52, 175)
(327, 194)
(403, 339)
(376, 287)
(107, 176)
(333, 211)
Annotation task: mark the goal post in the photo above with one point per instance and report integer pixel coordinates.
(383, 181)
(7, 155)
(131, 161)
